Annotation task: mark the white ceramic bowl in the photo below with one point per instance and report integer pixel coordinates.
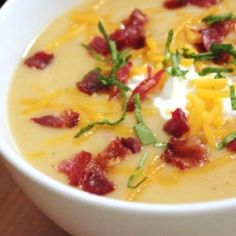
(77, 212)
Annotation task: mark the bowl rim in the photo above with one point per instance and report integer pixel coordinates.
(75, 194)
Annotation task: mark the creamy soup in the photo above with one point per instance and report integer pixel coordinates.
(181, 148)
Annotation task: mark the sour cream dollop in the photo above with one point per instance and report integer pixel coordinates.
(174, 93)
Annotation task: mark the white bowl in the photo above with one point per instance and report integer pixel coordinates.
(80, 213)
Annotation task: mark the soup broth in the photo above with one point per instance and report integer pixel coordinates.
(52, 90)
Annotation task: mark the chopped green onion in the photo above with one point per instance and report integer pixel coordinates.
(226, 140)
(215, 50)
(142, 161)
(168, 44)
(222, 48)
(233, 97)
(144, 134)
(90, 126)
(217, 70)
(133, 178)
(173, 59)
(197, 57)
(218, 18)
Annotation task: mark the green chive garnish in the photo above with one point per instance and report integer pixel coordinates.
(226, 140)
(218, 18)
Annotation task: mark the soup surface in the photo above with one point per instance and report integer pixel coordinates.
(174, 141)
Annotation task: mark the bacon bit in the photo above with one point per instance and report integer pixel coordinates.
(67, 119)
(99, 45)
(113, 154)
(175, 4)
(84, 171)
(221, 58)
(76, 167)
(204, 3)
(90, 83)
(185, 153)
(96, 181)
(200, 47)
(133, 144)
(90, 173)
(40, 60)
(137, 18)
(231, 146)
(177, 125)
(145, 86)
(131, 35)
(122, 75)
(216, 32)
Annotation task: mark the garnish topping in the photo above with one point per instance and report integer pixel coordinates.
(175, 4)
(145, 86)
(177, 125)
(131, 35)
(227, 140)
(144, 134)
(83, 171)
(91, 84)
(216, 32)
(218, 18)
(111, 80)
(185, 153)
(172, 60)
(89, 173)
(134, 180)
(67, 119)
(117, 150)
(40, 60)
(233, 97)
(217, 52)
(217, 70)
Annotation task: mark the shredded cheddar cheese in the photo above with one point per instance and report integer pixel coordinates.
(205, 108)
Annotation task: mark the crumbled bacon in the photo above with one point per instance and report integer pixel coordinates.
(231, 146)
(145, 86)
(67, 119)
(96, 181)
(40, 60)
(216, 32)
(133, 144)
(221, 58)
(113, 154)
(204, 3)
(76, 167)
(99, 45)
(137, 18)
(90, 83)
(90, 173)
(185, 153)
(122, 75)
(84, 171)
(200, 47)
(177, 125)
(174, 4)
(130, 35)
